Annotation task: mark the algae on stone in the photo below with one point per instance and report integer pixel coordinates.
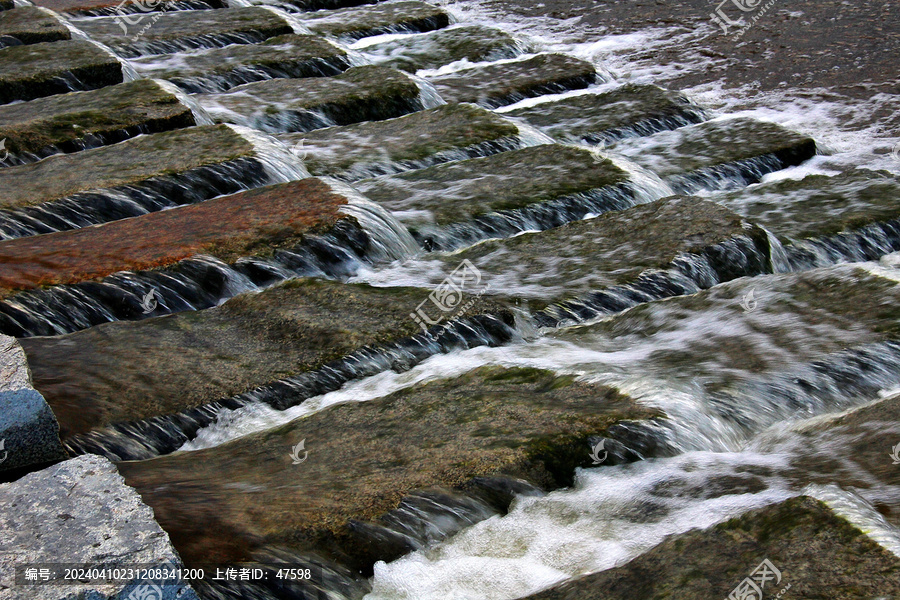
(32, 25)
(385, 17)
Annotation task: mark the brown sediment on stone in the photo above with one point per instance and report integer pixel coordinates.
(359, 94)
(219, 69)
(32, 25)
(170, 364)
(37, 70)
(227, 228)
(67, 122)
(186, 29)
(126, 163)
(458, 192)
(413, 138)
(364, 458)
(818, 554)
(500, 84)
(388, 17)
(627, 111)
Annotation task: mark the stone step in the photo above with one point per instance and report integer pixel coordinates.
(140, 175)
(474, 43)
(30, 25)
(367, 93)
(82, 511)
(79, 120)
(168, 32)
(817, 553)
(220, 69)
(451, 204)
(37, 70)
(227, 228)
(488, 433)
(718, 154)
(423, 138)
(505, 83)
(628, 111)
(95, 8)
(613, 249)
(252, 340)
(385, 17)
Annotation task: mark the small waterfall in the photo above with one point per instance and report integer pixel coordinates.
(162, 435)
(296, 24)
(728, 176)
(205, 40)
(201, 117)
(868, 243)
(128, 72)
(280, 163)
(428, 95)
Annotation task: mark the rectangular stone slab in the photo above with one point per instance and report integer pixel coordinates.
(359, 94)
(31, 25)
(219, 69)
(500, 84)
(624, 112)
(227, 227)
(592, 254)
(385, 17)
(475, 43)
(128, 162)
(819, 205)
(460, 191)
(818, 553)
(364, 458)
(179, 30)
(112, 7)
(679, 155)
(68, 122)
(439, 134)
(251, 340)
(37, 70)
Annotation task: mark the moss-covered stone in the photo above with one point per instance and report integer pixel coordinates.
(111, 7)
(626, 111)
(818, 554)
(412, 139)
(32, 25)
(171, 31)
(500, 84)
(459, 191)
(228, 228)
(714, 143)
(129, 162)
(67, 122)
(359, 94)
(37, 70)
(474, 43)
(819, 205)
(364, 458)
(203, 356)
(388, 17)
(219, 69)
(597, 253)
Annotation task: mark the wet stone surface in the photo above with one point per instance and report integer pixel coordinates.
(385, 17)
(285, 105)
(37, 70)
(474, 43)
(30, 25)
(70, 122)
(505, 83)
(628, 111)
(439, 134)
(220, 69)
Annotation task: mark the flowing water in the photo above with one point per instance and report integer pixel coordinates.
(740, 387)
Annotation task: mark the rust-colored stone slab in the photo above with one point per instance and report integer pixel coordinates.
(225, 227)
